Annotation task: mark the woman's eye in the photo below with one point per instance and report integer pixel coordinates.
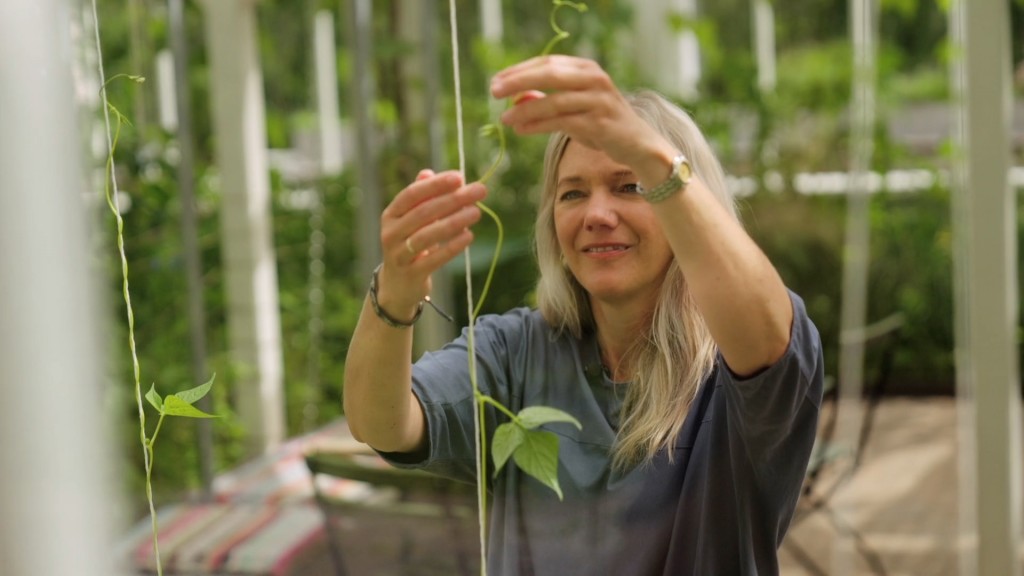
(631, 188)
(570, 195)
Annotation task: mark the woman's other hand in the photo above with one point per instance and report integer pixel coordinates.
(425, 226)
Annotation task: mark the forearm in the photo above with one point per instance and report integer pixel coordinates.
(424, 227)
(379, 404)
(739, 292)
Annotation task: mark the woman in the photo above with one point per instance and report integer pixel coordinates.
(661, 327)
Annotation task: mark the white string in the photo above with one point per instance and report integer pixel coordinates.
(480, 480)
(106, 111)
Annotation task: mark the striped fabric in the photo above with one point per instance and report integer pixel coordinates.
(262, 520)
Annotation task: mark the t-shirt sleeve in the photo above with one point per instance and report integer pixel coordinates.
(748, 461)
(441, 383)
(766, 403)
(774, 413)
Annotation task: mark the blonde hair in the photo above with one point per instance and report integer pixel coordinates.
(675, 354)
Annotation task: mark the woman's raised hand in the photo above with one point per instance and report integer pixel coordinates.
(574, 95)
(425, 226)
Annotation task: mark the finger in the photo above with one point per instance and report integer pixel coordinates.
(576, 126)
(424, 174)
(431, 262)
(439, 233)
(551, 107)
(547, 74)
(422, 189)
(442, 207)
(528, 96)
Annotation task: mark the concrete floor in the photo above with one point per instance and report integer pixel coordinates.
(897, 515)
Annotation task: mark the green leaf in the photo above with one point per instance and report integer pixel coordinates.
(174, 406)
(194, 394)
(538, 457)
(507, 437)
(534, 416)
(154, 398)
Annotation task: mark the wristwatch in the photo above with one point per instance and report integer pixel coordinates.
(677, 180)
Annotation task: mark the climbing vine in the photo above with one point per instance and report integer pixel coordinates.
(177, 404)
(533, 450)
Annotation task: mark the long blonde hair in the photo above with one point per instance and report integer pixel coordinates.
(671, 359)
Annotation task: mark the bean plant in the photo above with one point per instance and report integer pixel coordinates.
(533, 450)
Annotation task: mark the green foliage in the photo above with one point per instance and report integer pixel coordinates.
(534, 451)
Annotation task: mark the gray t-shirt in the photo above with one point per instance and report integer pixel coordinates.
(721, 507)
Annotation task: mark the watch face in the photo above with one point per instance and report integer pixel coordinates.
(685, 171)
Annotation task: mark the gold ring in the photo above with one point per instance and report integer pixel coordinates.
(408, 246)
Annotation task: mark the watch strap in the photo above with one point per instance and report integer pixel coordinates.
(677, 180)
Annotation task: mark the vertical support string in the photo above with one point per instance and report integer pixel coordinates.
(478, 425)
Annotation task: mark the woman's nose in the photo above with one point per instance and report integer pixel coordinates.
(600, 212)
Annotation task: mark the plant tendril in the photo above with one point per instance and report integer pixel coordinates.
(560, 34)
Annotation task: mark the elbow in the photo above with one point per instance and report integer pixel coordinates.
(354, 429)
(352, 417)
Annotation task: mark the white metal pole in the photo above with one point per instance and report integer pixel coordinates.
(985, 232)
(967, 462)
(492, 21)
(190, 237)
(364, 93)
(669, 59)
(55, 504)
(331, 154)
(250, 269)
(167, 100)
(421, 75)
(764, 44)
(856, 250)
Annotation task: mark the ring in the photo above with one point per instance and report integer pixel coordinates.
(408, 245)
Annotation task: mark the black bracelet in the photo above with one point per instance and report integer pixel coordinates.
(391, 320)
(387, 318)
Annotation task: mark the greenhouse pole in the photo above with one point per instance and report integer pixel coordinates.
(986, 291)
(190, 237)
(250, 267)
(764, 44)
(55, 505)
(364, 95)
(856, 245)
(668, 57)
(422, 76)
(332, 158)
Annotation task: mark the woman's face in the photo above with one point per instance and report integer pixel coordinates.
(608, 234)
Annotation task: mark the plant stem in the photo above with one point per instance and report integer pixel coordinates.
(494, 259)
(485, 399)
(110, 190)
